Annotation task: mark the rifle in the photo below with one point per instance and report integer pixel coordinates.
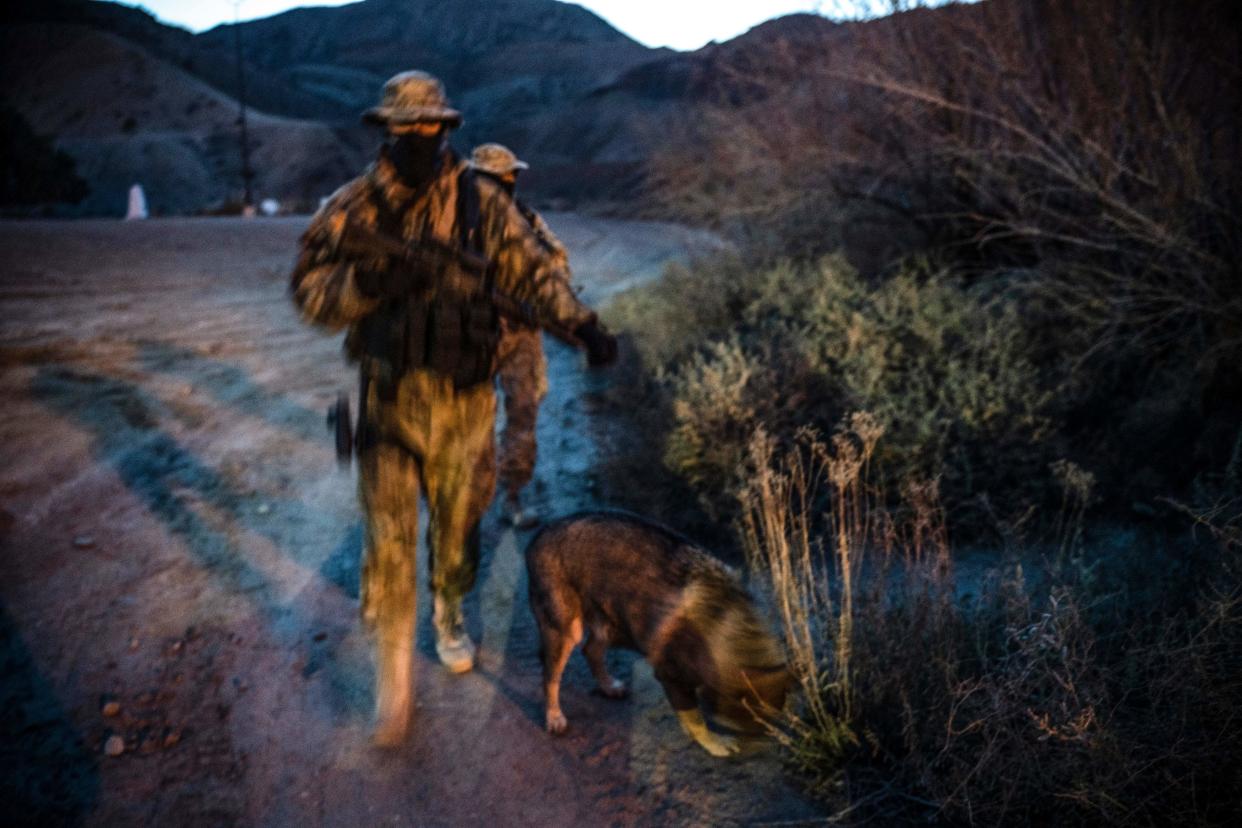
(432, 254)
(419, 258)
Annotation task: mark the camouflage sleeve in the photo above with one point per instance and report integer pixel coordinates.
(525, 268)
(325, 285)
(559, 253)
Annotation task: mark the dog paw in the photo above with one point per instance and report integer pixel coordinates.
(614, 689)
(721, 746)
(557, 723)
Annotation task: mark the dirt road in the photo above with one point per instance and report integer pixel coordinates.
(180, 566)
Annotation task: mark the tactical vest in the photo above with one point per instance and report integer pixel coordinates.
(450, 334)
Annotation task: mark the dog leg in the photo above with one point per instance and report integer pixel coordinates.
(692, 722)
(595, 650)
(556, 649)
(682, 696)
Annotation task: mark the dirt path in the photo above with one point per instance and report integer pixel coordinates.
(175, 537)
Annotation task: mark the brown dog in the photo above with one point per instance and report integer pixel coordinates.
(621, 581)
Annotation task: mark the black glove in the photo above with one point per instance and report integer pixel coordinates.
(601, 346)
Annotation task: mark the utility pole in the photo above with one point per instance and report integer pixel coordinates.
(246, 172)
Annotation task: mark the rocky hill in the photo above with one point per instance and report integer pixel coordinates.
(133, 99)
(128, 116)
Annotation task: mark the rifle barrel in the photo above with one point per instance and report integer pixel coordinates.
(359, 239)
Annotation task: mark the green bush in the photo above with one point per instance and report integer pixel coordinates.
(688, 306)
(943, 367)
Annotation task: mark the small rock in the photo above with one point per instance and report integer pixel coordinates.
(112, 708)
(172, 739)
(320, 636)
(115, 746)
(133, 644)
(84, 541)
(263, 509)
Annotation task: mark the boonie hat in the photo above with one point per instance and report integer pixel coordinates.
(496, 159)
(413, 97)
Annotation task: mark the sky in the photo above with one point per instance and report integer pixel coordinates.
(679, 24)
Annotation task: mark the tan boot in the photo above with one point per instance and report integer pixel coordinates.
(453, 646)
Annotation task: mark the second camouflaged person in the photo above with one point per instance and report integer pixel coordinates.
(426, 345)
(522, 370)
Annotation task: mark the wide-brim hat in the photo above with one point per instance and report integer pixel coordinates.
(413, 97)
(496, 159)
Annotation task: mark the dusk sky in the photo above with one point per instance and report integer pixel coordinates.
(680, 24)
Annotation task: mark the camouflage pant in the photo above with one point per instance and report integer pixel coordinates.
(438, 441)
(524, 381)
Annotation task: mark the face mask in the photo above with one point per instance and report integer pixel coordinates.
(508, 186)
(416, 157)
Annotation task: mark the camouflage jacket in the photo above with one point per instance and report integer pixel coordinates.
(332, 290)
(552, 245)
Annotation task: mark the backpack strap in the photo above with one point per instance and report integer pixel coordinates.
(532, 219)
(468, 211)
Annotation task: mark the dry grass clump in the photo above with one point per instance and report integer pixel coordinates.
(1022, 704)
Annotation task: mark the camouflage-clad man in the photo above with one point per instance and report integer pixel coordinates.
(426, 344)
(522, 368)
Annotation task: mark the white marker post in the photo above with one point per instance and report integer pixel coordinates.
(137, 203)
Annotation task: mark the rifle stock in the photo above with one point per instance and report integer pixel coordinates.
(431, 254)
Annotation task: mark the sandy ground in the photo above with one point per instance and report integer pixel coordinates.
(176, 538)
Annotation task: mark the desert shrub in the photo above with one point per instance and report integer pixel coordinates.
(34, 171)
(689, 304)
(1095, 143)
(1116, 175)
(943, 368)
(1092, 146)
(1021, 704)
(1114, 179)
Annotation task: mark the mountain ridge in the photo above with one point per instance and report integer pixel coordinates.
(583, 102)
